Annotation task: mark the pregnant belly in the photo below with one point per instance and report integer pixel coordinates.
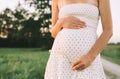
(74, 42)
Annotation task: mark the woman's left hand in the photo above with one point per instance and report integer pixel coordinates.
(82, 62)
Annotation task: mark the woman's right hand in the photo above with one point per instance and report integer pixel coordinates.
(69, 22)
(72, 22)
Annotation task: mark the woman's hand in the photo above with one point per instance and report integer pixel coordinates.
(69, 22)
(82, 62)
(72, 22)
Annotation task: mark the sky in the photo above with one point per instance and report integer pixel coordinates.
(115, 11)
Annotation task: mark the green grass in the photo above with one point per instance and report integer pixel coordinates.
(112, 53)
(30, 63)
(22, 63)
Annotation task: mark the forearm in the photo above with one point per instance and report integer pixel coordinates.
(100, 43)
(106, 19)
(55, 29)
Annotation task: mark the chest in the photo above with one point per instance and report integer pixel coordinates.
(64, 2)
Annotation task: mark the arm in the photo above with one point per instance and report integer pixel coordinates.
(106, 20)
(70, 22)
(86, 60)
(56, 27)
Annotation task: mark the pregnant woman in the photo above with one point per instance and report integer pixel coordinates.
(75, 53)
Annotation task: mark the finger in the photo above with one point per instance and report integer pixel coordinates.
(81, 25)
(77, 27)
(81, 21)
(77, 61)
(78, 66)
(73, 26)
(81, 67)
(77, 22)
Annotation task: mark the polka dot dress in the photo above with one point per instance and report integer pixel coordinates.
(70, 44)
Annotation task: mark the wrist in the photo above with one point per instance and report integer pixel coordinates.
(93, 56)
(63, 21)
(60, 21)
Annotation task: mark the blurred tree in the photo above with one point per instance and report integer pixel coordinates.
(10, 27)
(40, 22)
(118, 43)
(24, 29)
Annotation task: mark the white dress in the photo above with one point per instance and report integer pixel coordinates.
(70, 44)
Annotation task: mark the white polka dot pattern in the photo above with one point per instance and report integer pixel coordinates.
(70, 44)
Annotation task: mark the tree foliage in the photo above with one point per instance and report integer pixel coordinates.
(25, 29)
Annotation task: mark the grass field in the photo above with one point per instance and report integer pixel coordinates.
(112, 53)
(22, 63)
(29, 63)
